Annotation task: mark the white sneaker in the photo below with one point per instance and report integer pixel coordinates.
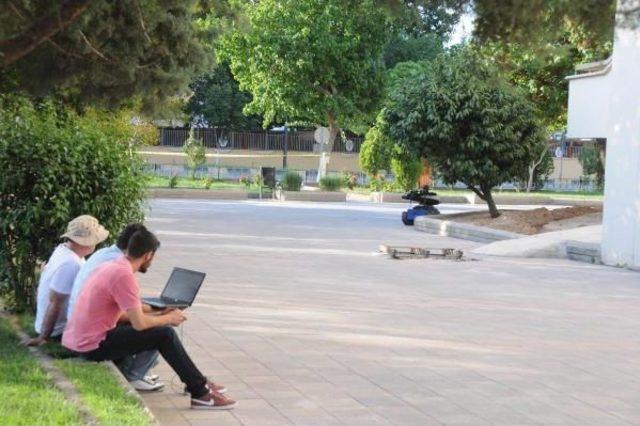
(145, 386)
(151, 378)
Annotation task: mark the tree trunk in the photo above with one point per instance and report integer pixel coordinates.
(493, 209)
(17, 47)
(325, 156)
(485, 194)
(532, 169)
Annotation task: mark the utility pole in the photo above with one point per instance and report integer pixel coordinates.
(285, 148)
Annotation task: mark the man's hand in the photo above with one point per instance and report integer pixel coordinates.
(36, 341)
(175, 317)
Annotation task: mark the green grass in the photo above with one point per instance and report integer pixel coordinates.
(100, 391)
(185, 182)
(102, 394)
(28, 395)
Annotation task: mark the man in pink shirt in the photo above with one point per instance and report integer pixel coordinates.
(111, 295)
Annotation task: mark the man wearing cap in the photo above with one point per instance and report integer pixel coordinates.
(56, 281)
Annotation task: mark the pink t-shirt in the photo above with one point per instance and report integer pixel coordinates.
(109, 291)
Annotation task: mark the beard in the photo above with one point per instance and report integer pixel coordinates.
(144, 267)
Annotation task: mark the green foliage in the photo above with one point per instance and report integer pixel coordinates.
(258, 179)
(592, 164)
(416, 18)
(54, 166)
(207, 182)
(313, 60)
(407, 169)
(467, 121)
(376, 151)
(196, 153)
(173, 181)
(540, 70)
(411, 49)
(291, 181)
(532, 21)
(331, 183)
(217, 101)
(350, 180)
(112, 51)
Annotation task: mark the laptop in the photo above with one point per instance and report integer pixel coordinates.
(180, 291)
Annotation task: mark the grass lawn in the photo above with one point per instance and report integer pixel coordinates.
(102, 394)
(100, 391)
(185, 182)
(28, 395)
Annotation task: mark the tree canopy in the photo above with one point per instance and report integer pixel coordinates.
(311, 60)
(101, 52)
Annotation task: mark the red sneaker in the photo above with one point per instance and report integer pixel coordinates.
(213, 401)
(218, 388)
(210, 385)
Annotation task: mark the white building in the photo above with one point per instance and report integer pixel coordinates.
(604, 102)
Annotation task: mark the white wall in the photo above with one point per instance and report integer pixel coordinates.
(621, 221)
(588, 98)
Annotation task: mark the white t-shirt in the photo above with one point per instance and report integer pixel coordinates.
(57, 275)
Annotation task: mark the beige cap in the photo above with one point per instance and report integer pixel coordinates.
(86, 230)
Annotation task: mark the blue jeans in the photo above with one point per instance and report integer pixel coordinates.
(136, 366)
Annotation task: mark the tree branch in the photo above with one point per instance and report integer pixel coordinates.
(477, 192)
(20, 46)
(142, 25)
(93, 49)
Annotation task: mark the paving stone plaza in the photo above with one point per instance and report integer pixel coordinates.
(307, 324)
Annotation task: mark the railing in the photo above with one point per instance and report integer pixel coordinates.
(257, 141)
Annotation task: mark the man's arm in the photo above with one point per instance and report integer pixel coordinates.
(143, 321)
(56, 300)
(147, 309)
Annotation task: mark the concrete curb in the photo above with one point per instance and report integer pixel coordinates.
(206, 194)
(317, 196)
(583, 252)
(464, 231)
(394, 197)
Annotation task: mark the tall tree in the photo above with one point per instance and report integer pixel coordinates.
(100, 51)
(311, 60)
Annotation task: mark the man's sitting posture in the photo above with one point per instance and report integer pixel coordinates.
(82, 236)
(135, 368)
(111, 294)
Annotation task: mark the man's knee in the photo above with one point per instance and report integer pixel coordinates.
(167, 332)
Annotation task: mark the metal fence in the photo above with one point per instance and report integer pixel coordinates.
(224, 139)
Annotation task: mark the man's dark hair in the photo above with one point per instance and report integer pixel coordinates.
(141, 243)
(125, 235)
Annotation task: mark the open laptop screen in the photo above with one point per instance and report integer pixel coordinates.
(183, 285)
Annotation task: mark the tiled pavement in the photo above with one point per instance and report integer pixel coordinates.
(307, 325)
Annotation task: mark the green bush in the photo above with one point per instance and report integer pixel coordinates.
(207, 182)
(331, 183)
(173, 181)
(292, 181)
(54, 166)
(407, 169)
(196, 153)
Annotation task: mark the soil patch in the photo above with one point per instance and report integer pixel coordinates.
(530, 222)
